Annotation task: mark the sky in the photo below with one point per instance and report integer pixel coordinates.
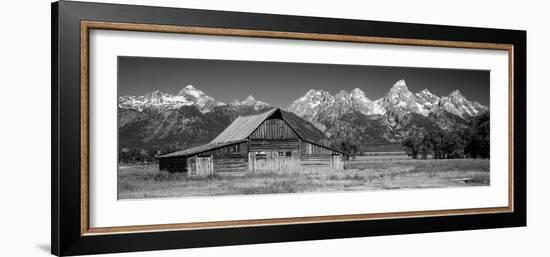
(280, 83)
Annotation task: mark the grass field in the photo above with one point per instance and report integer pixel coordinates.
(365, 173)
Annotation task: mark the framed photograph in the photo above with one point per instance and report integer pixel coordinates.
(179, 128)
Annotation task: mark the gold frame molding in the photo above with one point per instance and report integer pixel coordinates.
(86, 26)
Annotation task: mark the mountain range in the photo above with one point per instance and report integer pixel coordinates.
(191, 117)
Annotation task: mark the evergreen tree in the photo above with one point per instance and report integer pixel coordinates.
(473, 141)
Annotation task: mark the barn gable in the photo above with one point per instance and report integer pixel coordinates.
(242, 127)
(274, 129)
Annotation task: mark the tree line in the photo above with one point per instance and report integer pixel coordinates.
(347, 145)
(139, 155)
(471, 141)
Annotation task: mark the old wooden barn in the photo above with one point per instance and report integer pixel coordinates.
(257, 143)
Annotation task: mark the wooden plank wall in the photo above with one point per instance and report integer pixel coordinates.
(231, 158)
(192, 166)
(274, 129)
(230, 164)
(163, 164)
(205, 165)
(338, 162)
(311, 161)
(272, 162)
(309, 148)
(274, 145)
(173, 165)
(233, 150)
(316, 157)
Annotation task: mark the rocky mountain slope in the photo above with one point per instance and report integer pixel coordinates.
(353, 114)
(187, 119)
(191, 117)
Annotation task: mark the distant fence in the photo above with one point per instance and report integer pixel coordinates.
(381, 156)
(396, 147)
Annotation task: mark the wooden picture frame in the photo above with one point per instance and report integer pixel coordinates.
(71, 25)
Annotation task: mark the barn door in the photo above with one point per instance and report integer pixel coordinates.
(205, 166)
(261, 161)
(336, 161)
(274, 162)
(252, 162)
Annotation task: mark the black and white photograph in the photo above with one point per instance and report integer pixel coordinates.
(283, 128)
(205, 127)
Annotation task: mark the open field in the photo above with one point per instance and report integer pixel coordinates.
(365, 173)
(383, 156)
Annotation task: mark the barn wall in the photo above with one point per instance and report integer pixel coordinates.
(339, 162)
(204, 165)
(230, 164)
(274, 129)
(309, 148)
(192, 166)
(231, 150)
(233, 158)
(222, 164)
(274, 145)
(311, 161)
(274, 162)
(316, 157)
(178, 164)
(163, 164)
(318, 161)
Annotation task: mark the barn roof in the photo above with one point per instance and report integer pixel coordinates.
(200, 149)
(242, 127)
(238, 132)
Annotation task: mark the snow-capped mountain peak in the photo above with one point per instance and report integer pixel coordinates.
(355, 100)
(359, 94)
(456, 94)
(426, 96)
(457, 104)
(156, 93)
(425, 92)
(399, 94)
(159, 100)
(250, 100)
(318, 105)
(313, 93)
(343, 95)
(314, 98)
(400, 84)
(399, 101)
(189, 90)
(156, 96)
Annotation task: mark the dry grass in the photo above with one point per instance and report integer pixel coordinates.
(147, 181)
